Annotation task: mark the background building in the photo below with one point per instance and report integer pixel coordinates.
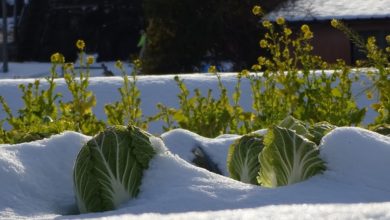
(368, 18)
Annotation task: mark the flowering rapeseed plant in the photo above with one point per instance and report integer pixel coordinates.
(267, 24)
(57, 58)
(90, 60)
(257, 10)
(119, 64)
(280, 21)
(80, 44)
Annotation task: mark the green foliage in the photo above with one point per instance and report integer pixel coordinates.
(205, 115)
(79, 109)
(295, 125)
(290, 81)
(319, 130)
(287, 158)
(379, 59)
(109, 168)
(35, 118)
(287, 154)
(289, 84)
(328, 97)
(128, 110)
(40, 116)
(285, 83)
(242, 159)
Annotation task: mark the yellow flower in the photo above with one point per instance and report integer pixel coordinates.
(90, 60)
(54, 57)
(212, 69)
(388, 49)
(261, 60)
(69, 66)
(119, 64)
(62, 59)
(267, 24)
(137, 63)
(388, 39)
(280, 21)
(305, 28)
(256, 67)
(287, 31)
(256, 10)
(308, 35)
(57, 58)
(335, 23)
(369, 95)
(263, 44)
(244, 73)
(80, 44)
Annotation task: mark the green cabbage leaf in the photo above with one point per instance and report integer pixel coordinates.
(242, 161)
(296, 125)
(109, 168)
(287, 158)
(319, 130)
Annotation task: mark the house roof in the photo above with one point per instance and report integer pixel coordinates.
(309, 10)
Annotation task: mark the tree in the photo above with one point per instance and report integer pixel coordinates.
(183, 33)
(110, 28)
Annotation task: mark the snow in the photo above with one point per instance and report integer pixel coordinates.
(308, 10)
(41, 69)
(182, 142)
(106, 91)
(37, 183)
(358, 146)
(36, 178)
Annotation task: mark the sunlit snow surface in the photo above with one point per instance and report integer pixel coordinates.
(36, 178)
(36, 182)
(308, 10)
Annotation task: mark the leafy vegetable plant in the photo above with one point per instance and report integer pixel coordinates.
(379, 59)
(79, 109)
(35, 118)
(128, 110)
(287, 154)
(287, 158)
(108, 169)
(242, 160)
(293, 81)
(204, 115)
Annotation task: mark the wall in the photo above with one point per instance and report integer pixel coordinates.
(331, 44)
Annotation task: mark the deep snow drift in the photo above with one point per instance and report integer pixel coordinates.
(36, 182)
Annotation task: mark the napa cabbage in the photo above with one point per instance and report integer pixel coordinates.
(242, 160)
(109, 168)
(296, 125)
(319, 130)
(287, 158)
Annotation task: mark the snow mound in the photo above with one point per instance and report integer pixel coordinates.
(183, 142)
(358, 156)
(36, 182)
(36, 177)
